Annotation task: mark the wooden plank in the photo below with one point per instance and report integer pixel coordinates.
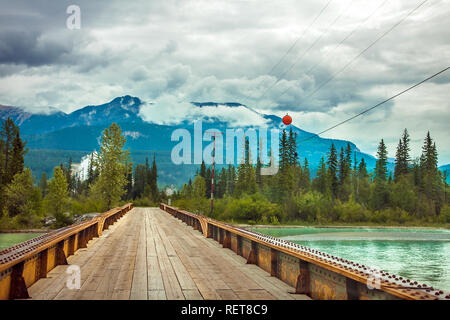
(157, 295)
(227, 294)
(193, 294)
(139, 284)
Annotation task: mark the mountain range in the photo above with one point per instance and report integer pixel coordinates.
(54, 136)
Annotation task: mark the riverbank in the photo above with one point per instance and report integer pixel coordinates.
(346, 226)
(24, 230)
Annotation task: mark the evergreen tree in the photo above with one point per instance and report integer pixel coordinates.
(292, 148)
(332, 171)
(431, 183)
(284, 152)
(8, 133)
(69, 177)
(381, 195)
(43, 184)
(305, 176)
(154, 180)
(129, 186)
(362, 184)
(321, 181)
(402, 157)
(231, 179)
(381, 164)
(18, 152)
(203, 170)
(222, 184)
(342, 167)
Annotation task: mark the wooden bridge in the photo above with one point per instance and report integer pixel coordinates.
(159, 253)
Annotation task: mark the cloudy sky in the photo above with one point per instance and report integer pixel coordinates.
(172, 52)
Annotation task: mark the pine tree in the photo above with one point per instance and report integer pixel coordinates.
(292, 148)
(7, 133)
(129, 186)
(332, 170)
(203, 170)
(342, 167)
(284, 151)
(231, 179)
(381, 195)
(69, 177)
(381, 164)
(154, 180)
(402, 157)
(399, 169)
(17, 156)
(320, 183)
(222, 184)
(431, 183)
(43, 184)
(363, 184)
(305, 176)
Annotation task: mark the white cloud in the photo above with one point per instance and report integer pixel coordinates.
(175, 52)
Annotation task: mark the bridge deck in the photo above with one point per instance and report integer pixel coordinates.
(149, 254)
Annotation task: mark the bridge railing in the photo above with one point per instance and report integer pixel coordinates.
(25, 263)
(311, 272)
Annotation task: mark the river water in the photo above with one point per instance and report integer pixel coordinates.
(9, 239)
(418, 254)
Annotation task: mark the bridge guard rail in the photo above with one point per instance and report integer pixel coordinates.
(25, 263)
(311, 272)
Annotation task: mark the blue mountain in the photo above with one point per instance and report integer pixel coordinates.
(55, 136)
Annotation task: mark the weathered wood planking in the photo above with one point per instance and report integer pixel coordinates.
(148, 254)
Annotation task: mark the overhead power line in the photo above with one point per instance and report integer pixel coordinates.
(299, 58)
(367, 48)
(376, 106)
(296, 41)
(349, 34)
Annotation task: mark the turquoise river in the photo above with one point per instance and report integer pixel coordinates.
(417, 254)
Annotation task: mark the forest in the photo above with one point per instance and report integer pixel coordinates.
(342, 192)
(63, 199)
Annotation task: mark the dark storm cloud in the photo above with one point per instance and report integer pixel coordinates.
(28, 47)
(214, 50)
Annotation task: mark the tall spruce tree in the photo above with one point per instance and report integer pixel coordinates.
(402, 158)
(381, 195)
(43, 184)
(332, 170)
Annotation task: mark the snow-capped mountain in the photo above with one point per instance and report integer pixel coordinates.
(54, 137)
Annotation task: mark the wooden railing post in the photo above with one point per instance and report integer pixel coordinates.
(43, 259)
(60, 255)
(273, 262)
(227, 240)
(18, 288)
(251, 259)
(303, 280)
